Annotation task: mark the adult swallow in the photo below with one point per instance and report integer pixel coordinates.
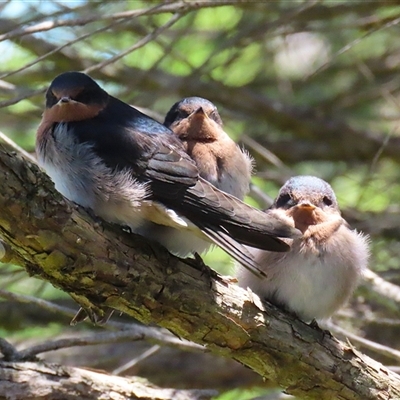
(129, 169)
(219, 159)
(318, 275)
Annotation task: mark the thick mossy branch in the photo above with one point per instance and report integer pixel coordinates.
(103, 266)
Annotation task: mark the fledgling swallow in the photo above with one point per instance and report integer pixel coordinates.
(322, 269)
(131, 170)
(220, 160)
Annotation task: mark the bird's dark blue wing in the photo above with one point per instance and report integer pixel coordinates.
(125, 138)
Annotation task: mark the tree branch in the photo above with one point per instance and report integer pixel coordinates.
(102, 266)
(38, 380)
(175, 7)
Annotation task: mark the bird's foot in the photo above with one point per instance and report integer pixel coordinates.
(314, 324)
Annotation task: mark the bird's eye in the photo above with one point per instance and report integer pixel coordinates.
(84, 97)
(51, 99)
(327, 201)
(214, 115)
(171, 117)
(284, 200)
(181, 113)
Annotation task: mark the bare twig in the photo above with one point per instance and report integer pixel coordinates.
(134, 334)
(9, 352)
(136, 46)
(46, 305)
(262, 198)
(369, 344)
(149, 352)
(17, 99)
(176, 7)
(379, 285)
(59, 48)
(350, 45)
(264, 152)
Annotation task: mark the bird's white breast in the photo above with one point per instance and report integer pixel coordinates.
(82, 177)
(311, 284)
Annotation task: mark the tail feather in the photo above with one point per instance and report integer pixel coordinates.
(204, 205)
(234, 249)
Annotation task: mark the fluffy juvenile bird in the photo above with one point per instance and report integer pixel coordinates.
(129, 169)
(318, 275)
(220, 160)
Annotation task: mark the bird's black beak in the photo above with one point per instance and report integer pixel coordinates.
(64, 100)
(199, 113)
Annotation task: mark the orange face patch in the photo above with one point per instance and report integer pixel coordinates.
(66, 112)
(71, 111)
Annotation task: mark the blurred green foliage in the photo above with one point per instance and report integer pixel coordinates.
(245, 394)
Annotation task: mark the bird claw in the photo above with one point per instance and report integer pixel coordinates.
(198, 263)
(314, 324)
(94, 317)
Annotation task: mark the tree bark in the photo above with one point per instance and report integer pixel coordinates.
(40, 381)
(101, 266)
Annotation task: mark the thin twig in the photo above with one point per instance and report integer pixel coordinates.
(9, 352)
(149, 352)
(262, 198)
(136, 333)
(59, 48)
(102, 64)
(148, 38)
(379, 285)
(176, 7)
(349, 46)
(369, 344)
(46, 305)
(27, 95)
(265, 153)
